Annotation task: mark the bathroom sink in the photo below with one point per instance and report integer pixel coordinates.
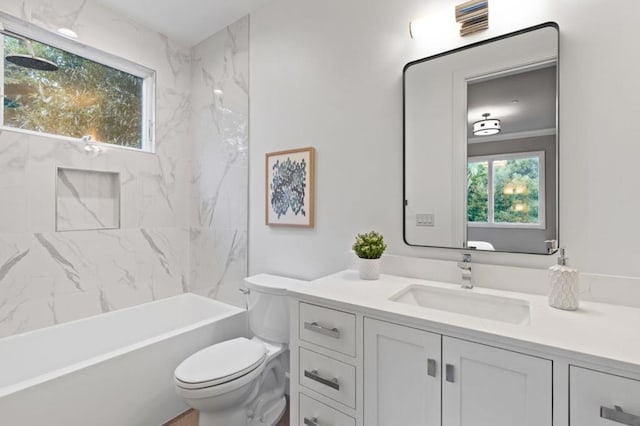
(465, 302)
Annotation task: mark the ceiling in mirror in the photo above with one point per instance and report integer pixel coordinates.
(523, 102)
(480, 145)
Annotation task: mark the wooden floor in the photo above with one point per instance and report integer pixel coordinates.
(190, 418)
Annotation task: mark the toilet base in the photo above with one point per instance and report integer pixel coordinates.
(272, 415)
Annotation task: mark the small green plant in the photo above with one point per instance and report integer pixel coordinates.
(369, 246)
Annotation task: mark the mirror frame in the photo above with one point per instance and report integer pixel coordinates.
(404, 134)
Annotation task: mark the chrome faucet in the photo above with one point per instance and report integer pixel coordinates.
(465, 265)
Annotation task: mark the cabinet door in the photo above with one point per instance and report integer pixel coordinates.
(401, 375)
(486, 386)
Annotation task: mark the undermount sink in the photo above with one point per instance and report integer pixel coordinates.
(465, 302)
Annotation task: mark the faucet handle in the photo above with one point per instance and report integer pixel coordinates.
(466, 262)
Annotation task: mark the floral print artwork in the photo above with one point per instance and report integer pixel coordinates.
(288, 187)
(289, 191)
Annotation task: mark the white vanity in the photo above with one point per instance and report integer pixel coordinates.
(404, 352)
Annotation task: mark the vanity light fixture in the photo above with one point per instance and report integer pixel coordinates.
(418, 28)
(487, 126)
(473, 16)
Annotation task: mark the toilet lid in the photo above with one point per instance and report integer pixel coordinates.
(221, 363)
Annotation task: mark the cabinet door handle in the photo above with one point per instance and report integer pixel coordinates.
(314, 326)
(617, 415)
(311, 421)
(431, 367)
(450, 373)
(313, 375)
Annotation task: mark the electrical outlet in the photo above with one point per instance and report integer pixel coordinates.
(425, 219)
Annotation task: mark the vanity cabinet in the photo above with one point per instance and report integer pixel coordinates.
(401, 375)
(314, 413)
(486, 386)
(411, 375)
(384, 359)
(326, 381)
(328, 376)
(602, 399)
(329, 328)
(354, 368)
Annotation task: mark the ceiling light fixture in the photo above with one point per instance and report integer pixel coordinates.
(68, 32)
(487, 126)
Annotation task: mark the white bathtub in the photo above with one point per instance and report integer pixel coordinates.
(114, 369)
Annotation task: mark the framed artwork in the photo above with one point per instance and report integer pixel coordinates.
(290, 188)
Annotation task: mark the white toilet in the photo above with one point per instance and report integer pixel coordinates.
(241, 382)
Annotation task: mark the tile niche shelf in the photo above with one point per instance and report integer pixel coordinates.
(87, 200)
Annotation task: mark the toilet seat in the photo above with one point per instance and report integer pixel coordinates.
(220, 363)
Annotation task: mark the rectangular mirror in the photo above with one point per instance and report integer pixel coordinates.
(481, 145)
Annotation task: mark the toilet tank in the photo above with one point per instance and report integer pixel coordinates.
(268, 306)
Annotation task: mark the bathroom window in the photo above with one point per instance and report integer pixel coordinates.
(83, 93)
(506, 190)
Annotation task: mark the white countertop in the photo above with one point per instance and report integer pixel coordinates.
(606, 332)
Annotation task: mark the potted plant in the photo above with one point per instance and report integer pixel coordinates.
(369, 248)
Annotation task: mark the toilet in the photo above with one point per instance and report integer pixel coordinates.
(241, 382)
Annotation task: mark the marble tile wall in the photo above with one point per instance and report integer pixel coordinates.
(186, 201)
(219, 200)
(87, 200)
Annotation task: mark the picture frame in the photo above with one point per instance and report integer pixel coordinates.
(290, 188)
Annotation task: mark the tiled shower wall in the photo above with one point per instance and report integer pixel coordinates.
(49, 277)
(219, 120)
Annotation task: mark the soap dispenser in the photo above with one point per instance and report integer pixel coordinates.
(565, 290)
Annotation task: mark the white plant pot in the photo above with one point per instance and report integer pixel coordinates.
(369, 269)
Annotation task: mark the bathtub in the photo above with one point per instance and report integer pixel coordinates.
(114, 369)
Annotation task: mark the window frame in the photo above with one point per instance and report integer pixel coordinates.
(490, 159)
(148, 76)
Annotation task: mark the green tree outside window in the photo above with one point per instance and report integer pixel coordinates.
(82, 98)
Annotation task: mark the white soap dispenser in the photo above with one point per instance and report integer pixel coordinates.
(565, 291)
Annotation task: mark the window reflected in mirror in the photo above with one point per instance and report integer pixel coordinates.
(504, 190)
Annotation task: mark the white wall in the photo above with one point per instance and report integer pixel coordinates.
(328, 74)
(430, 155)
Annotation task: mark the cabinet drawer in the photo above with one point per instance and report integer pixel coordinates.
(314, 413)
(328, 328)
(595, 395)
(329, 377)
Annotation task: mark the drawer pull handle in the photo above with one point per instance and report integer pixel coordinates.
(314, 326)
(617, 415)
(313, 375)
(431, 367)
(450, 373)
(311, 422)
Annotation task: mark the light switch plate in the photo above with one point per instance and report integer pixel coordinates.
(425, 219)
